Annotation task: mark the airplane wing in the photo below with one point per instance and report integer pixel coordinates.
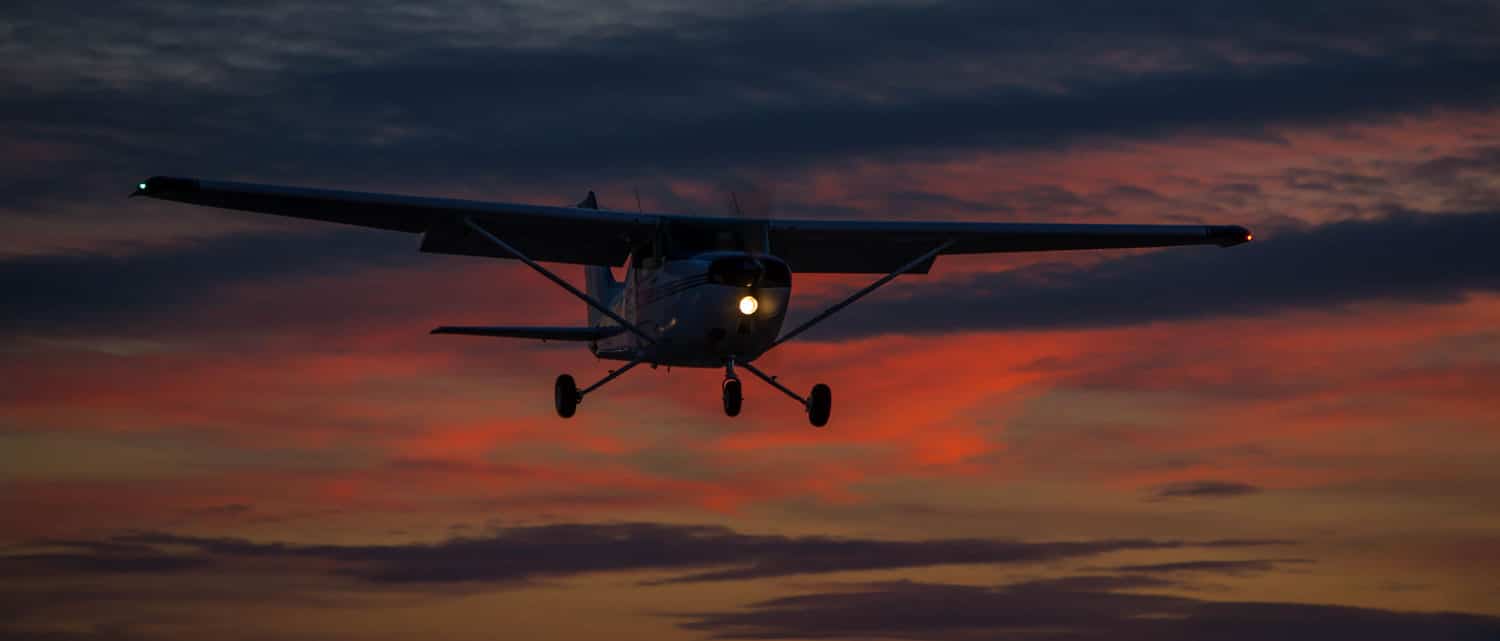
(553, 234)
(603, 237)
(542, 333)
(881, 247)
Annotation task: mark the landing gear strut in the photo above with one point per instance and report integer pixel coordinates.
(566, 396)
(818, 404)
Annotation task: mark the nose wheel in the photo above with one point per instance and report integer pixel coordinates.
(733, 397)
(733, 392)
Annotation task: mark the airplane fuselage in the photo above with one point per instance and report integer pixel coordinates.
(695, 309)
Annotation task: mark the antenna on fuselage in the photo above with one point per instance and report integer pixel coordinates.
(734, 200)
(754, 213)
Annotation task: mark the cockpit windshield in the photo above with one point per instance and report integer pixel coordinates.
(750, 271)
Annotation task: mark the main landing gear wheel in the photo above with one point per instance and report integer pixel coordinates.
(565, 396)
(733, 397)
(819, 404)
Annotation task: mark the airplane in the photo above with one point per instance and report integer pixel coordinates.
(707, 292)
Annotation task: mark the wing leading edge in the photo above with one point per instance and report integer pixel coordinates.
(552, 234)
(604, 237)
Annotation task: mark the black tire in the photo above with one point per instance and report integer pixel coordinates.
(819, 405)
(733, 397)
(565, 396)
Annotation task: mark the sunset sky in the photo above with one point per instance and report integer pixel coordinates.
(220, 425)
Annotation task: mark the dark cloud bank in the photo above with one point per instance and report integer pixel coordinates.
(1202, 489)
(58, 292)
(1077, 609)
(377, 96)
(524, 553)
(1102, 603)
(1401, 257)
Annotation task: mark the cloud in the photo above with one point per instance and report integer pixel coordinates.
(1202, 489)
(473, 92)
(520, 554)
(60, 291)
(1075, 608)
(1402, 257)
(230, 509)
(1236, 567)
(98, 557)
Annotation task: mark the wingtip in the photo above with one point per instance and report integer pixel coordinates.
(163, 185)
(1230, 235)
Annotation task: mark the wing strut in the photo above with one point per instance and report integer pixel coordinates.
(771, 380)
(593, 302)
(859, 294)
(613, 374)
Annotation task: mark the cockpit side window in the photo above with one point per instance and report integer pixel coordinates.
(777, 274)
(646, 256)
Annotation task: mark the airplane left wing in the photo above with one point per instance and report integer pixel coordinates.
(540, 333)
(553, 234)
(856, 246)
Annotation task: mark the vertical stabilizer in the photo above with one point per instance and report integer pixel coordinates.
(601, 283)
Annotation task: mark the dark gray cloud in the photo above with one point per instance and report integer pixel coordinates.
(60, 292)
(519, 554)
(1400, 257)
(22, 565)
(77, 632)
(1202, 489)
(1234, 567)
(1074, 608)
(96, 557)
(474, 91)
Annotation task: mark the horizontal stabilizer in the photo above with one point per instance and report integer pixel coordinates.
(542, 333)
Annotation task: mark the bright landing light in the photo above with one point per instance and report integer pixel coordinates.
(748, 305)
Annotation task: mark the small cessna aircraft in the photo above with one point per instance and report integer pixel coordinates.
(699, 291)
